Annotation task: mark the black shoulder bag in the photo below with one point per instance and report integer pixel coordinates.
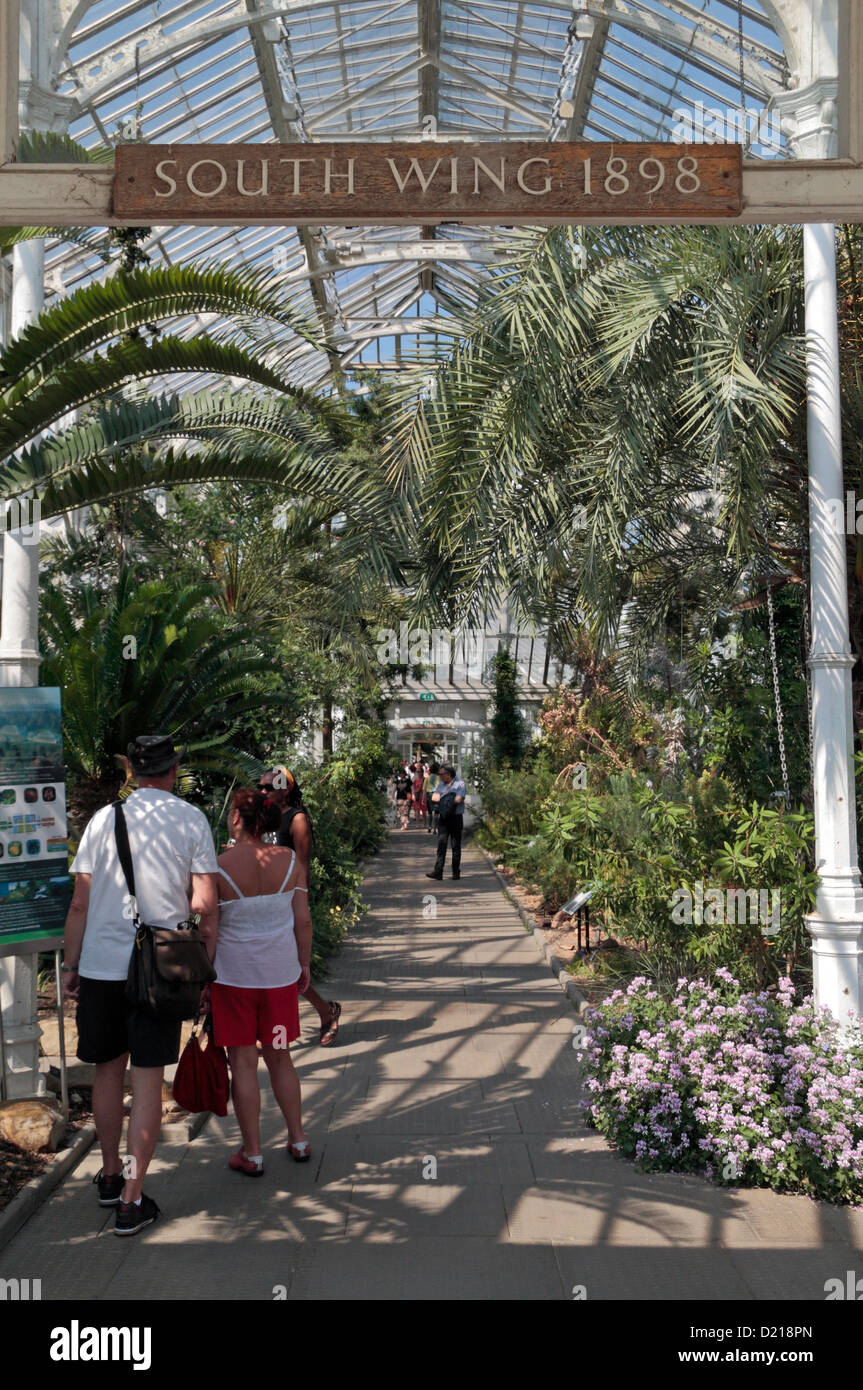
(168, 967)
(446, 806)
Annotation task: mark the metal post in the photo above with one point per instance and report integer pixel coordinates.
(3, 1092)
(61, 1033)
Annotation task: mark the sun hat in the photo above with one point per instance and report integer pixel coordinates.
(151, 754)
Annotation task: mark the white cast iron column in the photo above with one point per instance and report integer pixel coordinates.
(836, 924)
(19, 642)
(40, 107)
(19, 666)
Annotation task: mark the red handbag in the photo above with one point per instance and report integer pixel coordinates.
(201, 1081)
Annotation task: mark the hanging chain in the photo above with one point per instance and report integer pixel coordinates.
(562, 110)
(741, 55)
(780, 728)
(771, 616)
(740, 42)
(807, 628)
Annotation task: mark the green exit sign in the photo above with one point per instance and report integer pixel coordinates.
(428, 697)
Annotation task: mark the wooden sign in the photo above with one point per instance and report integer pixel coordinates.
(427, 181)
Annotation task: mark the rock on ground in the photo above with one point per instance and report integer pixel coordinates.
(35, 1126)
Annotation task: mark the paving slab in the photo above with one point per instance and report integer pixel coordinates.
(387, 1212)
(461, 1160)
(439, 1268)
(650, 1274)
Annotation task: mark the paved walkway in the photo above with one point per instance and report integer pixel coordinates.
(455, 1052)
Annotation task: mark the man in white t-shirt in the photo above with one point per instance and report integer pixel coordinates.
(174, 862)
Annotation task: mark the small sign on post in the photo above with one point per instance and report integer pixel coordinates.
(579, 907)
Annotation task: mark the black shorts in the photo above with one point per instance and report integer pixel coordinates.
(108, 1027)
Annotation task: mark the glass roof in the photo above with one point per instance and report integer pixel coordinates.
(251, 71)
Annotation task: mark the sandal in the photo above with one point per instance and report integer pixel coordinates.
(331, 1028)
(241, 1164)
(300, 1152)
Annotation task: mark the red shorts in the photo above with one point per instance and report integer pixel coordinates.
(243, 1017)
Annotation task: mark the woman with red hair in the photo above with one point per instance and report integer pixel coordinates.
(295, 832)
(262, 961)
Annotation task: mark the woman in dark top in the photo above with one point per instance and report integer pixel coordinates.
(295, 833)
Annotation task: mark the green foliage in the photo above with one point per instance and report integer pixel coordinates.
(506, 734)
(649, 844)
(589, 407)
(511, 799)
(734, 696)
(150, 657)
(84, 348)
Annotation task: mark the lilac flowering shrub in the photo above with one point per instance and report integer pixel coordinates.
(749, 1089)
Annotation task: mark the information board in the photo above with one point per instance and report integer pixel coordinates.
(35, 885)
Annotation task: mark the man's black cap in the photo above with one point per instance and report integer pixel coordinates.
(151, 754)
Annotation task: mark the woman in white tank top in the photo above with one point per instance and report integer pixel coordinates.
(262, 960)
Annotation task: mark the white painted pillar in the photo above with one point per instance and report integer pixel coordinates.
(19, 617)
(40, 107)
(19, 666)
(836, 925)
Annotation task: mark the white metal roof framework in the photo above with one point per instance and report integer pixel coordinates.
(248, 71)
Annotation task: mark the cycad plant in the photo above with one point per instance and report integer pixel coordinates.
(150, 658)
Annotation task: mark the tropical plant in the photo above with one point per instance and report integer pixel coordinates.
(153, 657)
(82, 353)
(615, 442)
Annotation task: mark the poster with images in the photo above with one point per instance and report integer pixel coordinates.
(35, 885)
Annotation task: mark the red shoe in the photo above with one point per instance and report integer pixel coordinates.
(300, 1152)
(241, 1164)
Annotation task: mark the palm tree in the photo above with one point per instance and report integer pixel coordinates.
(631, 424)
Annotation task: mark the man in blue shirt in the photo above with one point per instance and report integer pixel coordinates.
(449, 800)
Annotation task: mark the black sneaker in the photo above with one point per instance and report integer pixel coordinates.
(110, 1188)
(456, 875)
(433, 875)
(131, 1219)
